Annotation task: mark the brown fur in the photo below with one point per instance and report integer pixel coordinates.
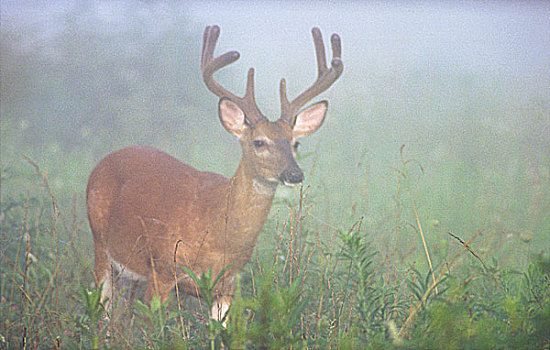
(141, 202)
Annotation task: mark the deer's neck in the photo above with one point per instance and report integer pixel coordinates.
(248, 202)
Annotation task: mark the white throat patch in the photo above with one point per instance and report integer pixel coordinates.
(263, 189)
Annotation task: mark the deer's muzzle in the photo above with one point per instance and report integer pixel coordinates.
(292, 177)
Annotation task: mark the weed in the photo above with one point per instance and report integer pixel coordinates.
(307, 292)
(89, 322)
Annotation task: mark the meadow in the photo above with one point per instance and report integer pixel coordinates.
(423, 223)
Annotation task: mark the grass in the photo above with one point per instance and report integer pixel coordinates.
(309, 285)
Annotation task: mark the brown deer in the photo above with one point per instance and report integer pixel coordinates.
(147, 208)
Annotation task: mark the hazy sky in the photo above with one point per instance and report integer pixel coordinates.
(500, 35)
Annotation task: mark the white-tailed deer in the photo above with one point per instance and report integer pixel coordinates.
(142, 202)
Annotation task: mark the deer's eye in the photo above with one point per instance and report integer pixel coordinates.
(296, 145)
(258, 143)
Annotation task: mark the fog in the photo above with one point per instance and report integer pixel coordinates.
(464, 86)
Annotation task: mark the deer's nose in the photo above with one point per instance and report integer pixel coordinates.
(292, 177)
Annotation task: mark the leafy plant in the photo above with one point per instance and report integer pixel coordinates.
(206, 287)
(376, 304)
(276, 314)
(237, 335)
(423, 288)
(90, 322)
(159, 317)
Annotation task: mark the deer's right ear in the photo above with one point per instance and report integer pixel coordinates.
(232, 117)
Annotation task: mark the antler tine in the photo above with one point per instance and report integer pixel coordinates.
(209, 65)
(325, 76)
(205, 39)
(319, 51)
(336, 47)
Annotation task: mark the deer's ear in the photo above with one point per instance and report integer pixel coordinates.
(310, 119)
(232, 117)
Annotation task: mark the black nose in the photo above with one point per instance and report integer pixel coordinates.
(293, 176)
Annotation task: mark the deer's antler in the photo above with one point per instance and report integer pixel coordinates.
(325, 78)
(209, 65)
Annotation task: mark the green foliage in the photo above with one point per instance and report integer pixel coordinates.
(205, 284)
(375, 302)
(160, 318)
(89, 322)
(276, 315)
(206, 287)
(342, 299)
(237, 335)
(424, 288)
(471, 318)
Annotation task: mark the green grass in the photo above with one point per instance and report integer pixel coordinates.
(309, 284)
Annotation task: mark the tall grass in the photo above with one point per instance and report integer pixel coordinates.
(302, 289)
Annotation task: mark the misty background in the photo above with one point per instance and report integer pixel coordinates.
(464, 86)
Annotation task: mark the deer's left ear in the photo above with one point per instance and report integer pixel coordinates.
(310, 119)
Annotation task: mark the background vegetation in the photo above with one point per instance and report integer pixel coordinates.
(438, 130)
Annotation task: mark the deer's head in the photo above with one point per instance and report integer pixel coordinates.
(269, 147)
